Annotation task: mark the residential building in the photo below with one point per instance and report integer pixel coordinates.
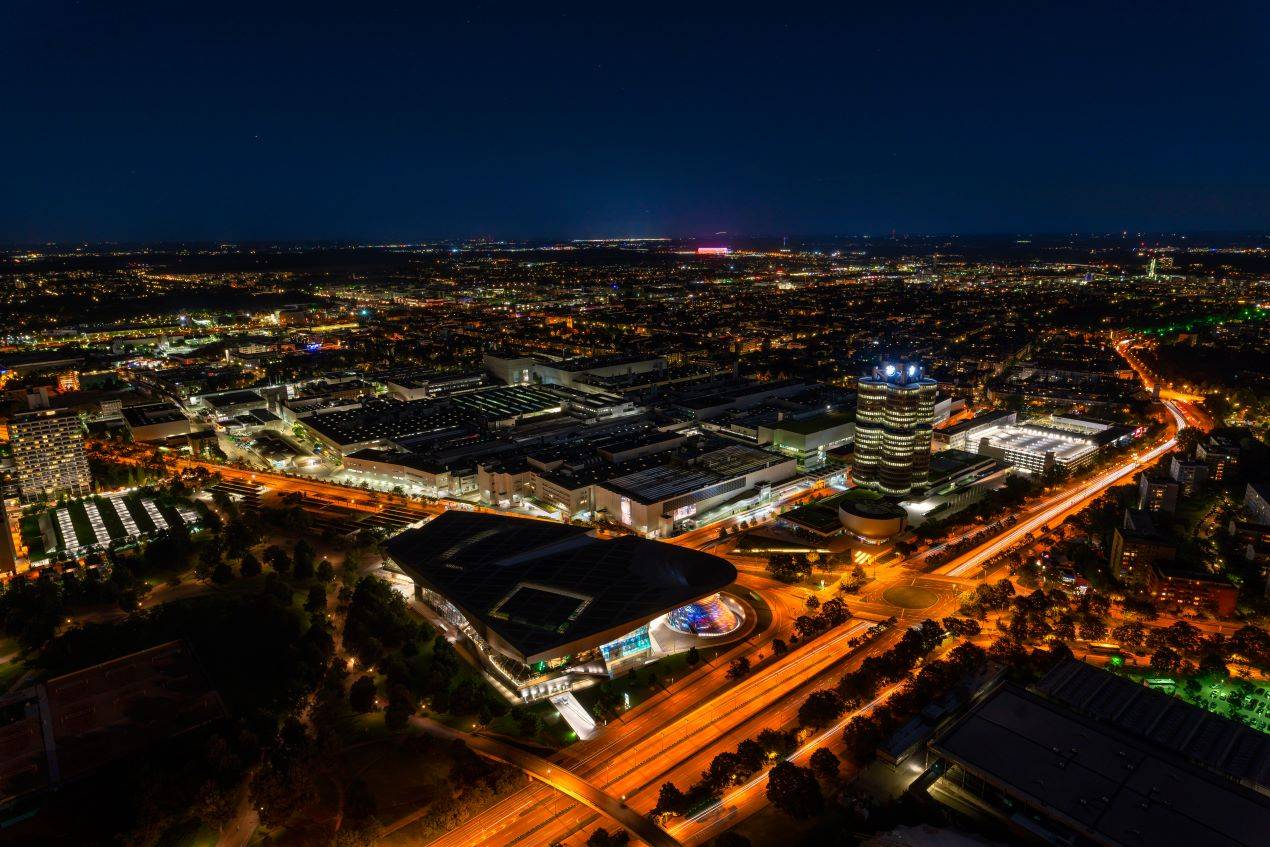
(1136, 545)
(1157, 493)
(1182, 589)
(48, 452)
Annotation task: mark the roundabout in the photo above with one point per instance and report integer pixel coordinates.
(910, 597)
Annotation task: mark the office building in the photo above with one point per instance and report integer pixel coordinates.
(156, 421)
(48, 452)
(895, 409)
(1221, 453)
(665, 499)
(1257, 502)
(963, 435)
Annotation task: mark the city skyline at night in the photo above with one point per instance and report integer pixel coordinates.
(682, 425)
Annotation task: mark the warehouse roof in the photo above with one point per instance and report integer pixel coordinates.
(1111, 788)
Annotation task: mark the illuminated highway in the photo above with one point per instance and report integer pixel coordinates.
(633, 764)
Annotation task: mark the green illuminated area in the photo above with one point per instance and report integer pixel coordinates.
(1243, 700)
(1250, 313)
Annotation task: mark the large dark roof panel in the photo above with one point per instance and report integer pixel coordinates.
(545, 588)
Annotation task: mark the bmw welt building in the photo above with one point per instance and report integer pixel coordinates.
(548, 607)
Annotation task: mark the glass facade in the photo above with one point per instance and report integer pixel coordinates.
(628, 651)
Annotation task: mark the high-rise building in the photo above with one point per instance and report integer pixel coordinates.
(895, 409)
(48, 451)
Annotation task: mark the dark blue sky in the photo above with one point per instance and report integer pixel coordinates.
(200, 120)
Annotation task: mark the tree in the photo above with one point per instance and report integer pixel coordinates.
(807, 626)
(222, 574)
(1130, 634)
(302, 569)
(1093, 629)
(529, 723)
(1183, 636)
(775, 743)
(739, 668)
(1253, 643)
(787, 567)
(779, 647)
(824, 764)
(316, 601)
(601, 837)
(794, 791)
(302, 559)
(813, 602)
(325, 571)
(725, 769)
(249, 566)
(401, 705)
(835, 612)
(1165, 660)
(670, 800)
(821, 708)
(861, 737)
(1213, 665)
(278, 559)
(693, 656)
(361, 695)
(751, 754)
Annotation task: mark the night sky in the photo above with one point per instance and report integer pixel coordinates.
(136, 121)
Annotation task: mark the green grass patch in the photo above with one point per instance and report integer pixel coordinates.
(139, 514)
(110, 518)
(32, 535)
(170, 514)
(79, 520)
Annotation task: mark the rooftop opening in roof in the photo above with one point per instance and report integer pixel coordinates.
(541, 607)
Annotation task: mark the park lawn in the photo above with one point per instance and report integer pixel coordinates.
(556, 731)
(644, 682)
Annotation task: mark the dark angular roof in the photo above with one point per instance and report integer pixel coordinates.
(1105, 785)
(542, 587)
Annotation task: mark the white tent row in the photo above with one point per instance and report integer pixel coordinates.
(68, 530)
(125, 516)
(99, 526)
(153, 511)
